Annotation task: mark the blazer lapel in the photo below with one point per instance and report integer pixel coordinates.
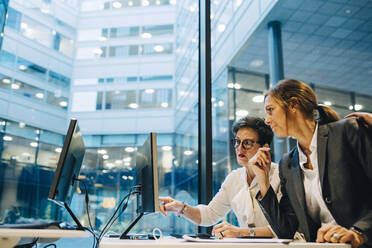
(297, 179)
(322, 140)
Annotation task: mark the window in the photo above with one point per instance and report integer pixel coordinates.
(31, 68)
(14, 19)
(7, 59)
(122, 32)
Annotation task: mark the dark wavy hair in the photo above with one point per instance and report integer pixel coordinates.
(264, 132)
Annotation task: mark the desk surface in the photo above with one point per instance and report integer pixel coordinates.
(41, 233)
(180, 243)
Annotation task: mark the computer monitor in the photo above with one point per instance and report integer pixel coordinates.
(147, 179)
(68, 168)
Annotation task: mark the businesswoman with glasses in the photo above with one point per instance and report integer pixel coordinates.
(238, 191)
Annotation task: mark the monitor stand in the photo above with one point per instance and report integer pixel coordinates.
(79, 226)
(124, 234)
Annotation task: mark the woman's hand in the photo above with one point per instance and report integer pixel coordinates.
(338, 234)
(364, 116)
(225, 230)
(260, 163)
(170, 205)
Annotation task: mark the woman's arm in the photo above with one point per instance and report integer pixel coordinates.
(171, 205)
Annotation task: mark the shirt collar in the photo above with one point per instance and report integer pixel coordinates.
(312, 147)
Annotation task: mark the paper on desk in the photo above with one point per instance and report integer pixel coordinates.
(235, 240)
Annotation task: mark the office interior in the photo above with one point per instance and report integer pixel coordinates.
(124, 68)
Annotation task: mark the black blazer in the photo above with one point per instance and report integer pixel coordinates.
(345, 171)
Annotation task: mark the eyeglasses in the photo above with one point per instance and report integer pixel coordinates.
(246, 144)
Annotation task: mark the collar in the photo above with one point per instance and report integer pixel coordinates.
(312, 148)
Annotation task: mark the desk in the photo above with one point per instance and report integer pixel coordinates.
(179, 243)
(9, 237)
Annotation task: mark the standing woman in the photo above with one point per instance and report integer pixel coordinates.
(326, 180)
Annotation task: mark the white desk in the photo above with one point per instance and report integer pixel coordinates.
(9, 237)
(179, 243)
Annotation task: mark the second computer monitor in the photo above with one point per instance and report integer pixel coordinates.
(147, 176)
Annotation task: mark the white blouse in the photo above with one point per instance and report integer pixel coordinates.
(235, 194)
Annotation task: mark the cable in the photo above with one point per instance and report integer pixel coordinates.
(54, 245)
(91, 230)
(113, 218)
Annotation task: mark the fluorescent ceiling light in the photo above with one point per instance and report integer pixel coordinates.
(221, 27)
(33, 144)
(39, 95)
(15, 86)
(63, 103)
(22, 67)
(149, 91)
(145, 3)
(7, 138)
(116, 5)
(101, 151)
(166, 148)
(158, 48)
(22, 124)
(327, 103)
(358, 107)
(258, 98)
(129, 149)
(6, 80)
(133, 105)
(164, 104)
(146, 35)
(187, 152)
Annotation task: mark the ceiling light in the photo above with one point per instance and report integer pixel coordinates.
(105, 156)
(216, 2)
(230, 85)
(130, 177)
(124, 177)
(193, 40)
(350, 107)
(157, 2)
(15, 86)
(258, 98)
(117, 92)
(213, 99)
(116, 5)
(238, 2)
(22, 67)
(24, 25)
(241, 113)
(102, 38)
(221, 103)
(6, 80)
(63, 103)
(7, 138)
(164, 105)
(101, 151)
(214, 163)
(22, 124)
(256, 63)
(158, 48)
(145, 3)
(358, 107)
(54, 32)
(3, 123)
(39, 95)
(166, 148)
(221, 27)
(97, 51)
(127, 159)
(173, 2)
(133, 105)
(130, 3)
(237, 86)
(149, 91)
(44, 10)
(33, 144)
(26, 154)
(129, 149)
(212, 16)
(187, 152)
(58, 149)
(146, 35)
(192, 8)
(327, 103)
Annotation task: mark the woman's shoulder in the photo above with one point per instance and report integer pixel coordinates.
(234, 175)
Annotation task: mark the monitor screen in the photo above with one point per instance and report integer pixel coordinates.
(147, 176)
(68, 167)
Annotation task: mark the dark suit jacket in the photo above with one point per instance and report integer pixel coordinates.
(345, 172)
